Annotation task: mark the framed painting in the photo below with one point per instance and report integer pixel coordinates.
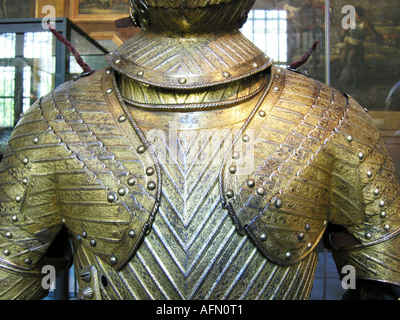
(98, 10)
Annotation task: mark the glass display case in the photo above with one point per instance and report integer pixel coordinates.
(33, 62)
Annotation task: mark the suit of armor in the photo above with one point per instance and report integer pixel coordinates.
(192, 168)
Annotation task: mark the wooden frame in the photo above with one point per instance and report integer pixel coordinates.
(102, 14)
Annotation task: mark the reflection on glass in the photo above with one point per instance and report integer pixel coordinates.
(7, 75)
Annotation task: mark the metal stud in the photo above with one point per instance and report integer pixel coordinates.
(278, 203)
(262, 113)
(131, 234)
(18, 199)
(260, 191)
(382, 214)
(108, 91)
(122, 118)
(108, 71)
(279, 70)
(263, 237)
(309, 245)
(307, 227)
(113, 260)
(150, 171)
(131, 181)
(369, 174)
(88, 292)
(255, 64)
(141, 149)
(151, 185)
(25, 181)
(27, 261)
(251, 183)
(36, 140)
(84, 234)
(86, 276)
(14, 218)
(361, 156)
(229, 193)
(246, 138)
(235, 155)
(122, 191)
(381, 203)
(368, 236)
(117, 61)
(111, 197)
(93, 243)
(78, 238)
(376, 192)
(288, 255)
(226, 74)
(349, 138)
(276, 89)
(387, 227)
(140, 73)
(25, 160)
(232, 169)
(6, 252)
(8, 235)
(300, 236)
(182, 80)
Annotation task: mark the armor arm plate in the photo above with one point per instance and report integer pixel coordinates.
(29, 214)
(365, 198)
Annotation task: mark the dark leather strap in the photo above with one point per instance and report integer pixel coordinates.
(342, 239)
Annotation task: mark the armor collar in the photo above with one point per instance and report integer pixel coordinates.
(188, 62)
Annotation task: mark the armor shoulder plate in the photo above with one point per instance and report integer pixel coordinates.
(109, 202)
(276, 181)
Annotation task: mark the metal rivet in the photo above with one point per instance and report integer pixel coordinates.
(307, 227)
(255, 64)
(262, 113)
(263, 237)
(108, 91)
(131, 181)
(131, 234)
(260, 191)
(93, 243)
(18, 199)
(78, 238)
(122, 118)
(325, 223)
(226, 74)
(251, 183)
(376, 192)
(8, 235)
(14, 218)
(276, 88)
(140, 73)
(381, 203)
(232, 169)
(117, 61)
(86, 276)
(229, 193)
(150, 171)
(151, 185)
(63, 220)
(6, 252)
(349, 138)
(288, 255)
(111, 197)
(25, 181)
(88, 292)
(36, 140)
(121, 191)
(300, 236)
(113, 260)
(246, 138)
(279, 70)
(309, 245)
(387, 227)
(383, 214)
(365, 109)
(108, 71)
(25, 161)
(236, 155)
(141, 149)
(368, 236)
(361, 156)
(28, 261)
(278, 203)
(182, 80)
(84, 234)
(369, 174)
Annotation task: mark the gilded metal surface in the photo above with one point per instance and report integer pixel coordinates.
(199, 185)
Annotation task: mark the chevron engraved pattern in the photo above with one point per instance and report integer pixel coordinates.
(193, 250)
